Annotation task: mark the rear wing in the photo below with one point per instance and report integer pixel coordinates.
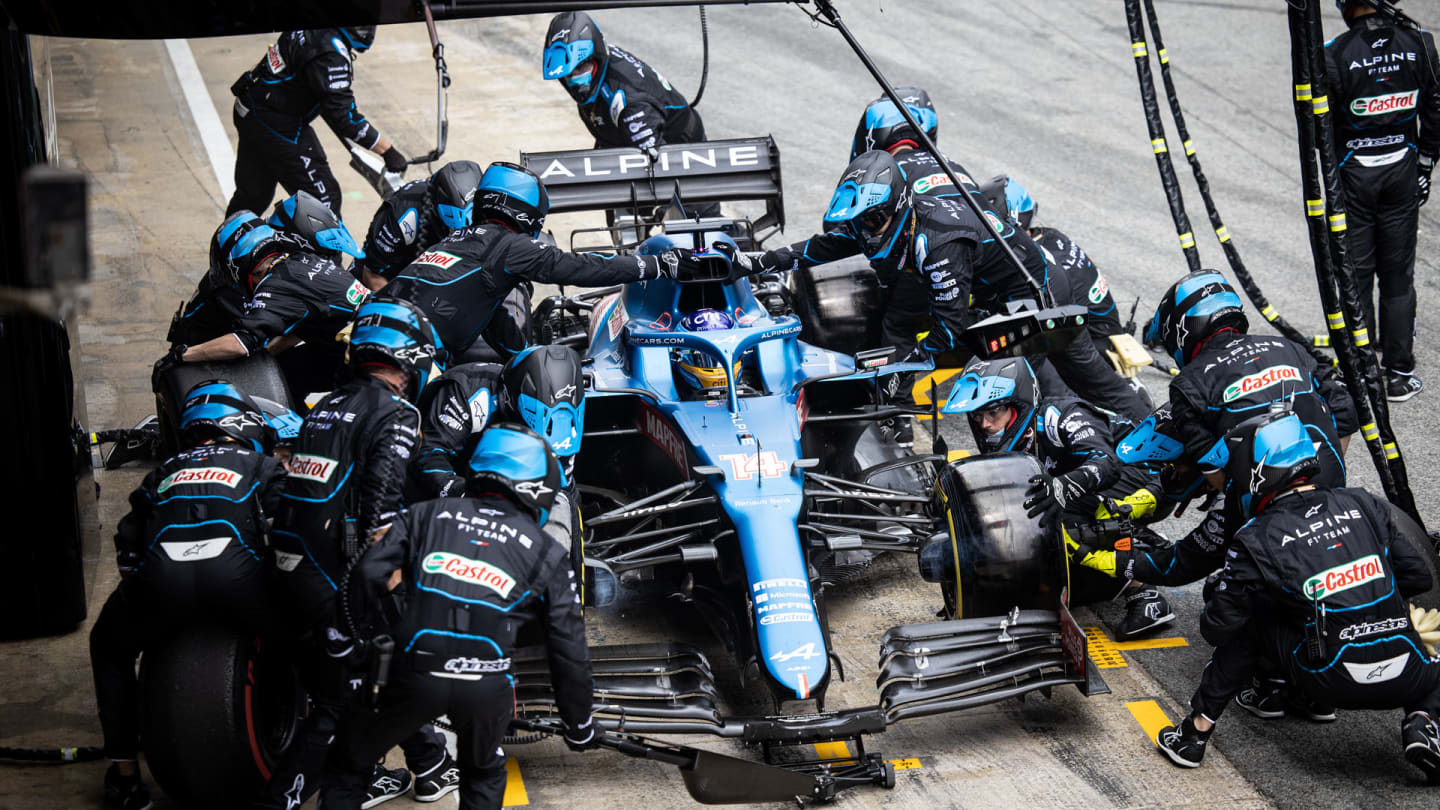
(627, 179)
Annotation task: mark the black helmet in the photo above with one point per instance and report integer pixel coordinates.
(987, 384)
(215, 409)
(395, 333)
(312, 221)
(1193, 309)
(542, 386)
(575, 53)
(511, 458)
(1267, 453)
(872, 204)
(513, 195)
(882, 126)
(241, 242)
(451, 196)
(359, 37)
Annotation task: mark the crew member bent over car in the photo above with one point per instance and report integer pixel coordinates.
(475, 569)
(192, 547)
(1314, 584)
(419, 214)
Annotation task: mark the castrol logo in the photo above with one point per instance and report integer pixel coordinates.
(464, 569)
(1343, 577)
(1388, 103)
(312, 468)
(1260, 380)
(201, 475)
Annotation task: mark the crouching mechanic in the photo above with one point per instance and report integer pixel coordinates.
(346, 481)
(1075, 444)
(1325, 603)
(192, 547)
(475, 569)
(461, 283)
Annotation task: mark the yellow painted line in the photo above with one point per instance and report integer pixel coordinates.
(1150, 716)
(908, 764)
(1107, 654)
(515, 795)
(1151, 643)
(920, 391)
(956, 455)
(832, 750)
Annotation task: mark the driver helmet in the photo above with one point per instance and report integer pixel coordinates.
(216, 409)
(1267, 454)
(575, 53)
(1194, 308)
(519, 464)
(872, 204)
(986, 390)
(312, 221)
(450, 198)
(513, 196)
(241, 243)
(358, 37)
(699, 370)
(395, 333)
(882, 126)
(542, 386)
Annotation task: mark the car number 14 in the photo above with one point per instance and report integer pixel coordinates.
(746, 465)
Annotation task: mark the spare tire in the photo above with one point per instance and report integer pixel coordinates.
(216, 715)
(1001, 559)
(840, 305)
(257, 375)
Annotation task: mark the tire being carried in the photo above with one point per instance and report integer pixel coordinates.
(216, 714)
(996, 558)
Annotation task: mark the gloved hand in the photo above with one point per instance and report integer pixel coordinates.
(679, 264)
(1427, 165)
(1427, 624)
(737, 258)
(1102, 560)
(583, 737)
(1050, 494)
(172, 358)
(127, 561)
(343, 648)
(394, 161)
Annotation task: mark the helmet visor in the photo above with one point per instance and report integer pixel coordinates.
(456, 217)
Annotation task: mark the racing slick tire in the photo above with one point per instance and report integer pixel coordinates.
(840, 305)
(216, 714)
(257, 375)
(999, 558)
(1421, 544)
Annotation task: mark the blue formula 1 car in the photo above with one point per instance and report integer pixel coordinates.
(730, 466)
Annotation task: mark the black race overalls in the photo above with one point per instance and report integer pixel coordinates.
(304, 74)
(196, 538)
(1333, 556)
(474, 570)
(1086, 286)
(404, 225)
(1383, 81)
(454, 409)
(210, 313)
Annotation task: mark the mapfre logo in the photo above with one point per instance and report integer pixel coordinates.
(1260, 380)
(1343, 577)
(464, 569)
(1388, 103)
(312, 468)
(201, 475)
(438, 258)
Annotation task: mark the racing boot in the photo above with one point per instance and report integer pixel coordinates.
(1185, 746)
(1421, 738)
(1263, 698)
(1313, 710)
(386, 784)
(438, 782)
(1401, 385)
(1145, 610)
(130, 793)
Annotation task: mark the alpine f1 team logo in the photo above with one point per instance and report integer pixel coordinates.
(312, 468)
(1343, 577)
(1260, 380)
(464, 569)
(1388, 103)
(201, 475)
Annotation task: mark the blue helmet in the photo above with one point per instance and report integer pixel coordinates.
(513, 196)
(1267, 454)
(882, 126)
(452, 193)
(872, 204)
(395, 333)
(285, 421)
(510, 458)
(241, 242)
(1002, 382)
(215, 409)
(543, 387)
(575, 53)
(1017, 200)
(305, 217)
(1153, 440)
(359, 37)
(699, 370)
(1193, 309)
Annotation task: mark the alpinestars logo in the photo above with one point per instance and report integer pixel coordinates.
(531, 489)
(1343, 577)
(1388, 103)
(1260, 380)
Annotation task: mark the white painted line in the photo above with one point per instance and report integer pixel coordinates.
(202, 110)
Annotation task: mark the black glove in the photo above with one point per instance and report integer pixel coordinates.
(679, 264)
(172, 358)
(1048, 494)
(343, 648)
(738, 258)
(1427, 165)
(394, 161)
(127, 561)
(583, 737)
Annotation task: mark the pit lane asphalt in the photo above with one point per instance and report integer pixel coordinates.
(1045, 91)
